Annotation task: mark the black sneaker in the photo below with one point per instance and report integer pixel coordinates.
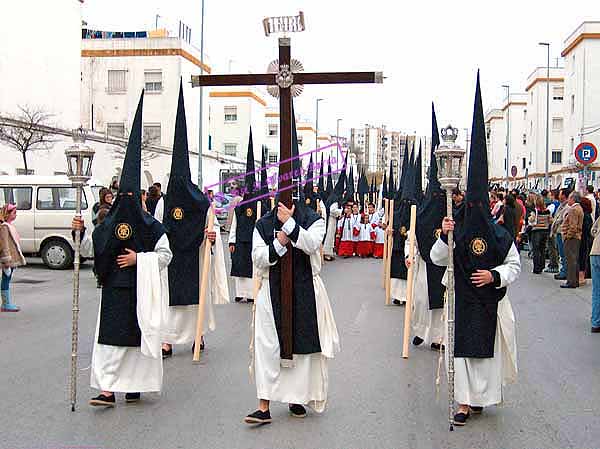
(397, 302)
(250, 300)
(238, 299)
(166, 354)
(297, 410)
(476, 410)
(132, 397)
(103, 401)
(437, 347)
(417, 341)
(201, 345)
(460, 419)
(258, 417)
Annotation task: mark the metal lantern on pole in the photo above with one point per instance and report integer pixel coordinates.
(449, 159)
(79, 170)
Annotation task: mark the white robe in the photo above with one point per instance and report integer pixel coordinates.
(479, 382)
(426, 324)
(377, 219)
(180, 322)
(307, 382)
(136, 369)
(335, 212)
(244, 287)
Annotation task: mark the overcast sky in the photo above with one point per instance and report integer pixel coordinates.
(428, 50)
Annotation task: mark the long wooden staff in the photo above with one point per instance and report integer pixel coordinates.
(385, 239)
(319, 212)
(410, 279)
(203, 288)
(390, 243)
(256, 277)
(255, 290)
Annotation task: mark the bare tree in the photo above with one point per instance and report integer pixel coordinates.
(27, 131)
(147, 153)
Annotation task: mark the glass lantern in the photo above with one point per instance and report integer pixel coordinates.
(79, 159)
(449, 159)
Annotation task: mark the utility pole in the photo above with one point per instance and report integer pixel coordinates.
(317, 124)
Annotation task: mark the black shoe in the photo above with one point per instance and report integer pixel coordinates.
(297, 410)
(437, 347)
(238, 299)
(166, 354)
(476, 410)
(397, 302)
(250, 300)
(201, 345)
(567, 285)
(595, 330)
(103, 401)
(560, 277)
(417, 341)
(132, 397)
(258, 417)
(460, 419)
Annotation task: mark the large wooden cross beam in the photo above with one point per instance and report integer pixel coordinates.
(285, 79)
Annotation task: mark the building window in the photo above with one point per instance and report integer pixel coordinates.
(558, 93)
(572, 104)
(230, 149)
(152, 133)
(272, 131)
(116, 81)
(524, 139)
(115, 129)
(21, 171)
(153, 81)
(230, 114)
(557, 124)
(557, 156)
(572, 143)
(272, 158)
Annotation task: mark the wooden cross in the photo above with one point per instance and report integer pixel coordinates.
(285, 79)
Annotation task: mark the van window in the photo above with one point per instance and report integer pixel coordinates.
(58, 198)
(21, 196)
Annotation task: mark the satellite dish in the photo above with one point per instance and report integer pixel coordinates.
(296, 66)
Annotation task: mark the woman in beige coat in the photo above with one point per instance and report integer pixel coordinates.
(10, 254)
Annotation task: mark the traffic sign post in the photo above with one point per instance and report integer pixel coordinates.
(586, 154)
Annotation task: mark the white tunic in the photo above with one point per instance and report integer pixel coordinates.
(136, 369)
(355, 224)
(345, 227)
(307, 382)
(180, 323)
(244, 287)
(376, 220)
(479, 382)
(334, 213)
(426, 324)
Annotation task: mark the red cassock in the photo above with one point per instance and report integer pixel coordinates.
(364, 248)
(378, 250)
(346, 248)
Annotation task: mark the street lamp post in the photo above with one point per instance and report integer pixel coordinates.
(507, 133)
(79, 170)
(317, 124)
(547, 45)
(449, 159)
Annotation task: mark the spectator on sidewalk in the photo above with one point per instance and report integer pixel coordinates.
(571, 233)
(586, 241)
(539, 220)
(590, 196)
(11, 256)
(595, 263)
(556, 232)
(105, 201)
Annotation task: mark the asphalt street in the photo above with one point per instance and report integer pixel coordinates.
(376, 398)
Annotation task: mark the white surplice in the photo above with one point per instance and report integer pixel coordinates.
(180, 323)
(244, 287)
(335, 212)
(307, 382)
(479, 382)
(426, 324)
(136, 369)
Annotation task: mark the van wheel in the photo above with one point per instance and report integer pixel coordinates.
(57, 255)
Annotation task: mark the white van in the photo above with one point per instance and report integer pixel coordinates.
(45, 208)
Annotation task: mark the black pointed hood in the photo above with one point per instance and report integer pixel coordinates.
(184, 218)
(127, 225)
(350, 186)
(433, 183)
(404, 165)
(391, 187)
(321, 183)
(384, 187)
(308, 187)
(419, 175)
(329, 186)
(250, 179)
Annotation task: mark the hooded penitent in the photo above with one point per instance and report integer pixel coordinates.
(419, 176)
(391, 187)
(310, 197)
(402, 219)
(404, 167)
(127, 226)
(245, 218)
(264, 184)
(350, 186)
(429, 223)
(479, 245)
(305, 326)
(363, 188)
(322, 179)
(329, 185)
(384, 187)
(184, 218)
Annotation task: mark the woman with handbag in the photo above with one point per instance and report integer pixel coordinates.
(11, 256)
